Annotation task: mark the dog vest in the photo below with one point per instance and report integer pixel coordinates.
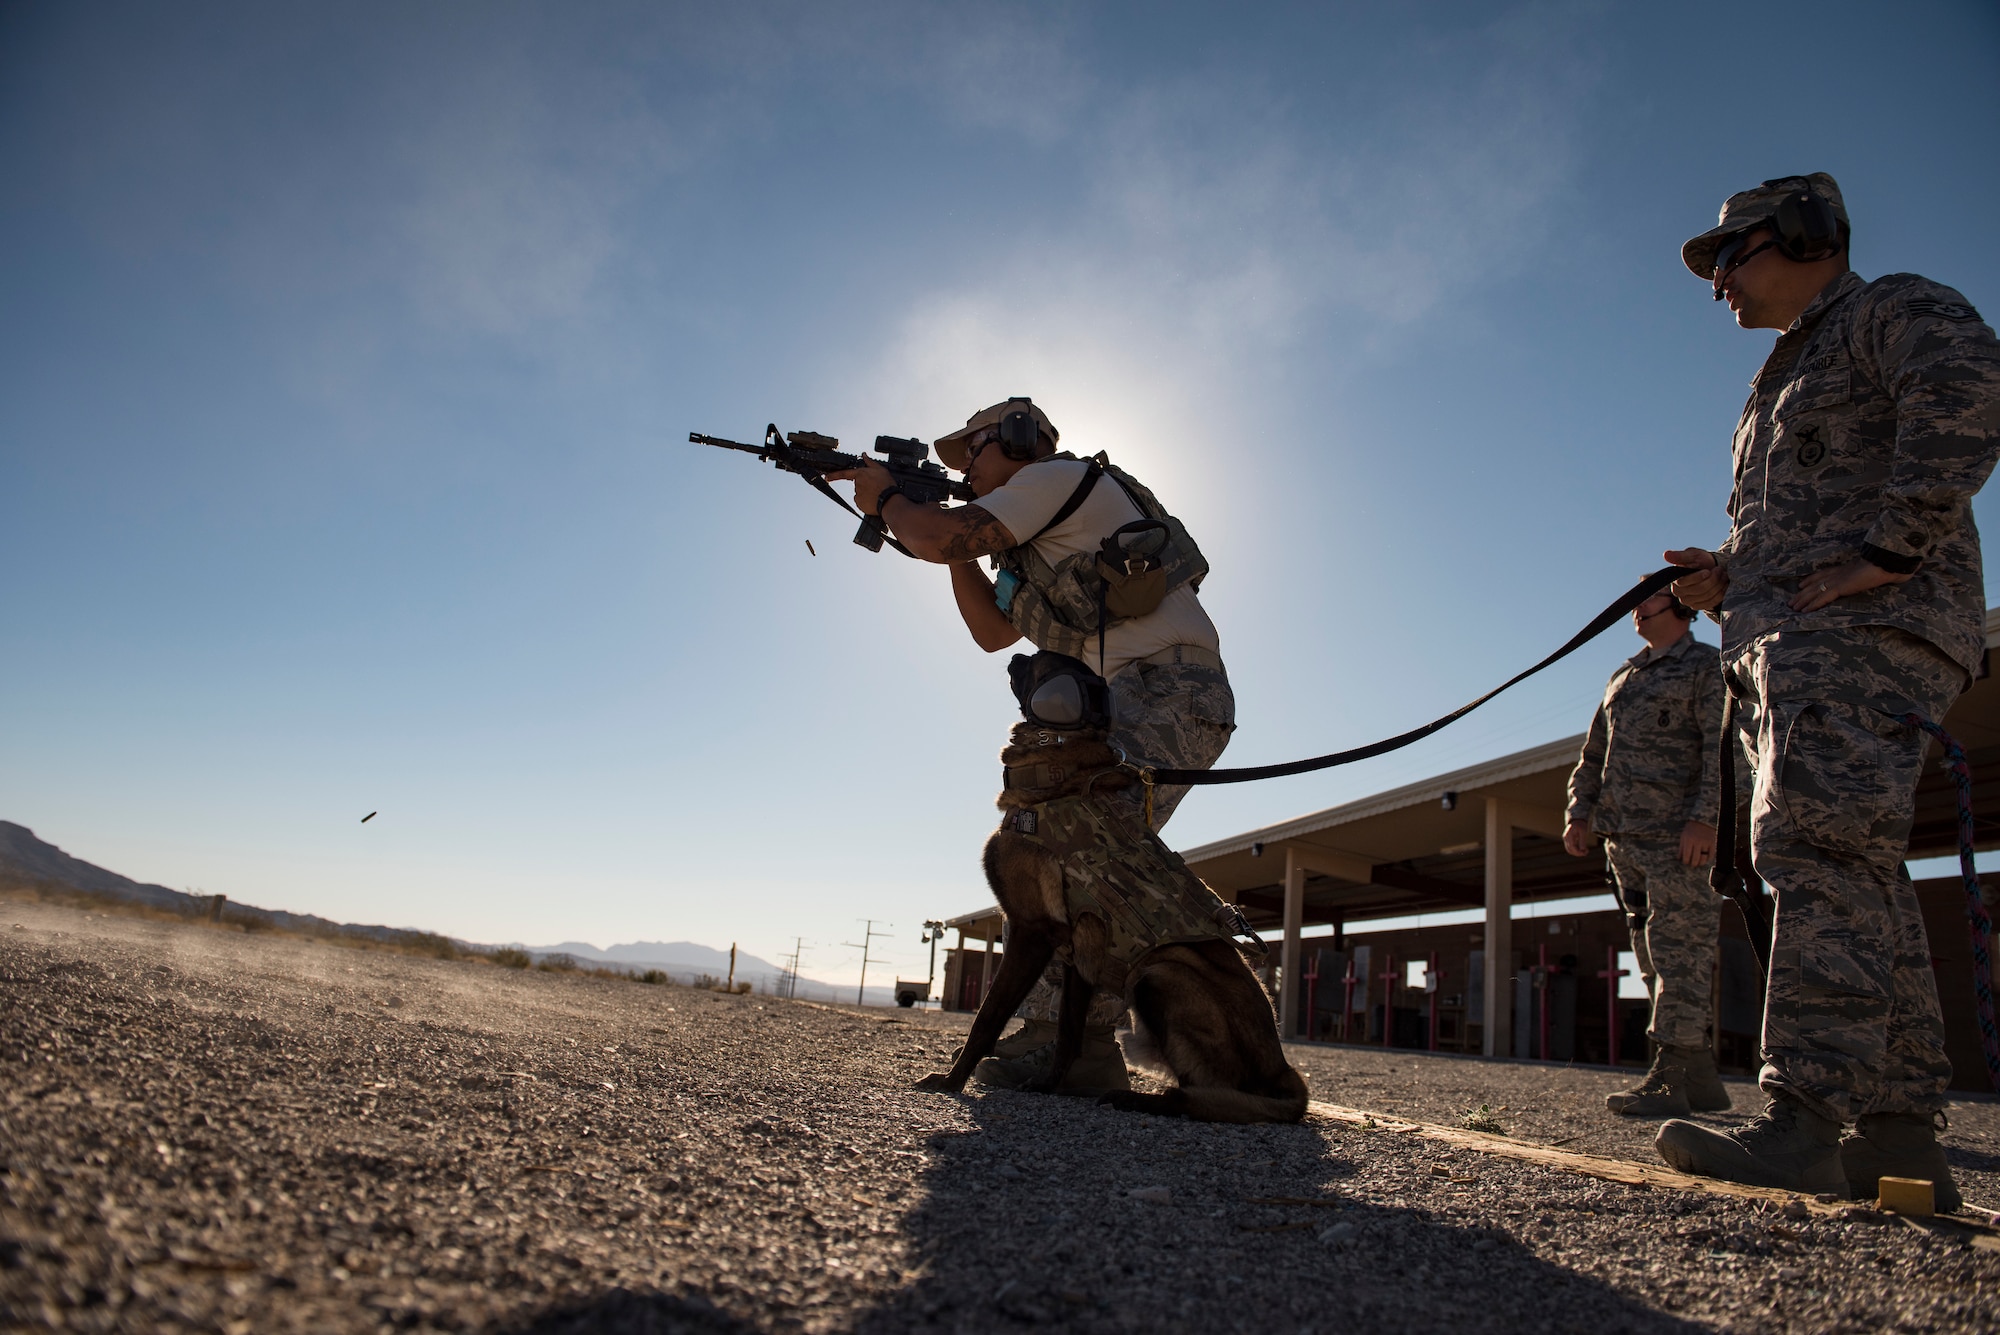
(1116, 868)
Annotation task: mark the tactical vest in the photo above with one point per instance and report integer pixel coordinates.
(1065, 607)
(1114, 867)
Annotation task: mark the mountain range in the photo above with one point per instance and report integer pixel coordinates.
(30, 863)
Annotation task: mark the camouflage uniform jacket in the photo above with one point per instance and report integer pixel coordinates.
(1872, 424)
(1116, 868)
(1649, 765)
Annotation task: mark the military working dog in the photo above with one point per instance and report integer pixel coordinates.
(1078, 874)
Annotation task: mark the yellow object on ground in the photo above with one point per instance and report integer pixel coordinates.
(1908, 1195)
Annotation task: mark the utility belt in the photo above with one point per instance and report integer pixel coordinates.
(1181, 653)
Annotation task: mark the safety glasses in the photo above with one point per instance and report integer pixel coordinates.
(1733, 256)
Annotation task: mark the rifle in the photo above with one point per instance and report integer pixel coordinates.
(812, 456)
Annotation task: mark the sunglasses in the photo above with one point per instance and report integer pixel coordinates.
(1733, 256)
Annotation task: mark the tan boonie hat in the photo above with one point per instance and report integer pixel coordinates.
(1746, 208)
(951, 450)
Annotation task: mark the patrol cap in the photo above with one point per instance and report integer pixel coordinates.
(1746, 208)
(951, 450)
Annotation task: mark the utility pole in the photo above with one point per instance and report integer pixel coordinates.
(932, 931)
(790, 982)
(867, 940)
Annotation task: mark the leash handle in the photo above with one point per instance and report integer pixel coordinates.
(1603, 621)
(1978, 921)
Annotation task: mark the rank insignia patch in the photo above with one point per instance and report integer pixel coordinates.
(1956, 311)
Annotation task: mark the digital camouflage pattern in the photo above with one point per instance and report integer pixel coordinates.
(1675, 941)
(1116, 868)
(1648, 764)
(1869, 429)
(1851, 1017)
(1171, 715)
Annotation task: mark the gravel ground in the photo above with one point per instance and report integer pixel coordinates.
(202, 1130)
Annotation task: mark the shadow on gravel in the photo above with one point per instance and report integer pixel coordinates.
(624, 1312)
(1031, 1221)
(1971, 1160)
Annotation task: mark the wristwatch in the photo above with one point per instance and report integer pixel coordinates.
(883, 500)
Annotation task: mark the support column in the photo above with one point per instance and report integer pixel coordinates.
(1288, 957)
(1498, 1038)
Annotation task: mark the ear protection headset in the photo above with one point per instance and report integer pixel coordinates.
(1018, 431)
(1807, 227)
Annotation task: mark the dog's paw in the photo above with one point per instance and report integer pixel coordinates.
(940, 1083)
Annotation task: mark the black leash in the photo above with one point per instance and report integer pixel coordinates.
(1604, 620)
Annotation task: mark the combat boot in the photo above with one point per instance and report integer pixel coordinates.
(1663, 1093)
(1682, 1080)
(1787, 1145)
(1031, 1035)
(1704, 1082)
(1897, 1145)
(1098, 1069)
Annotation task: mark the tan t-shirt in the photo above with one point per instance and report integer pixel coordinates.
(1034, 494)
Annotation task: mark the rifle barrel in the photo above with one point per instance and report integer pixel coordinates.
(697, 438)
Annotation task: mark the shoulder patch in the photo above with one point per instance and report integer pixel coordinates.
(1957, 312)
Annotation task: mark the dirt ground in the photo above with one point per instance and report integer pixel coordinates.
(203, 1130)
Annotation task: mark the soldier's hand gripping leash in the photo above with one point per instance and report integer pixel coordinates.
(812, 456)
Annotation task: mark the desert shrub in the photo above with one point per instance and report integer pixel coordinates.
(654, 976)
(434, 945)
(510, 958)
(709, 981)
(559, 962)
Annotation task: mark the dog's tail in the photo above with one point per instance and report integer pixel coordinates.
(1286, 1103)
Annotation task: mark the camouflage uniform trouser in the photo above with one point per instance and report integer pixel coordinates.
(1851, 1017)
(1175, 716)
(1676, 944)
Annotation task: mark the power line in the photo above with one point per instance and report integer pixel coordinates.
(867, 940)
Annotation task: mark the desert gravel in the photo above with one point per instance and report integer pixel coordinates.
(206, 1130)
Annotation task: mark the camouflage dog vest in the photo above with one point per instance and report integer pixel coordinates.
(1115, 868)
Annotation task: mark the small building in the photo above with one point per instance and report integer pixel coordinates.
(969, 965)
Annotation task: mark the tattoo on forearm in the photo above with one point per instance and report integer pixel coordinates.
(979, 533)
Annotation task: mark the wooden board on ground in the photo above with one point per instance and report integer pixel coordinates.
(1984, 1233)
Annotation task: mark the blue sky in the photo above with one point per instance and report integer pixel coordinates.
(350, 354)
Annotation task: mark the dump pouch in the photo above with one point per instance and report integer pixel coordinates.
(1064, 606)
(1130, 563)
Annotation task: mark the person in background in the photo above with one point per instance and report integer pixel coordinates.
(1646, 783)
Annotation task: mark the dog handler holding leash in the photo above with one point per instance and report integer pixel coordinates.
(1063, 533)
(1850, 595)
